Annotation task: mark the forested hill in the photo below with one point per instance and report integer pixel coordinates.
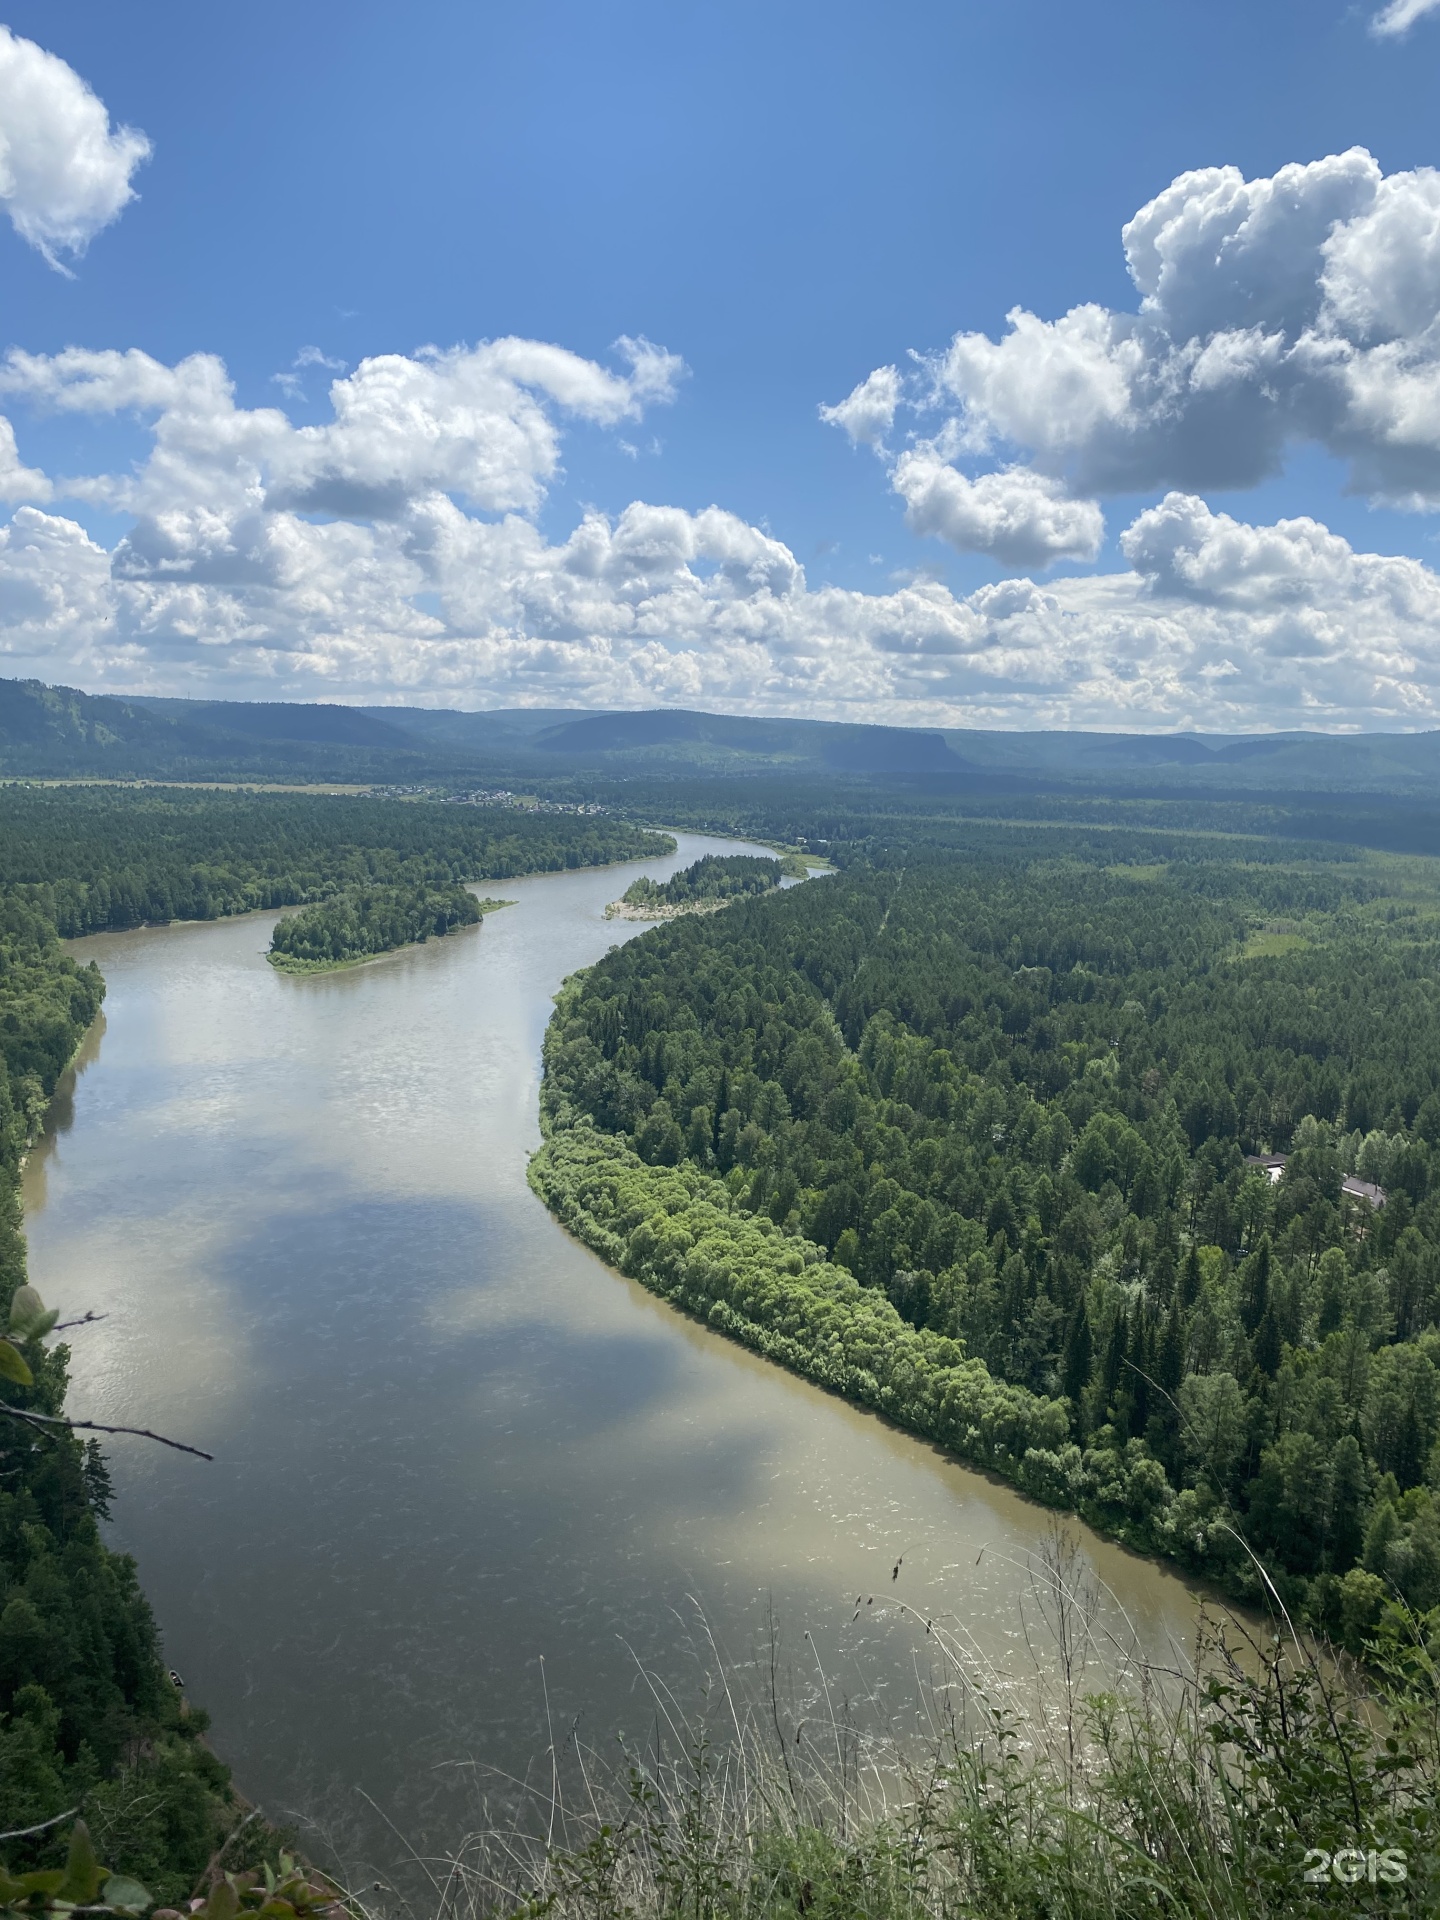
(63, 732)
(966, 1138)
(93, 857)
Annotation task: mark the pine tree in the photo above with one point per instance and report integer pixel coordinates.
(1114, 1364)
(1334, 1291)
(722, 1102)
(1078, 1356)
(1170, 1354)
(1255, 1300)
(1380, 1536)
(1409, 1447)
(1138, 1372)
(1191, 1279)
(1268, 1345)
(1349, 1488)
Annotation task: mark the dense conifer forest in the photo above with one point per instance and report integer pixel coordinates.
(90, 858)
(972, 1137)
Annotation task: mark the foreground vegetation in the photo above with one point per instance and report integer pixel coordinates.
(965, 1141)
(1260, 1782)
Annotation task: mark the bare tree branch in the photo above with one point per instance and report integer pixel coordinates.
(24, 1833)
(84, 1321)
(44, 1420)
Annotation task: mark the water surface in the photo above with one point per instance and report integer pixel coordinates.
(449, 1442)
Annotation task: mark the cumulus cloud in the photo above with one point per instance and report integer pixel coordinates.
(868, 412)
(1395, 21)
(479, 422)
(56, 591)
(1020, 517)
(393, 553)
(1300, 307)
(17, 481)
(65, 172)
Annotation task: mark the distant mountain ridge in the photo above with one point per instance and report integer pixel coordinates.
(60, 732)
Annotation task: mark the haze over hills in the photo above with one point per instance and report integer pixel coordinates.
(62, 732)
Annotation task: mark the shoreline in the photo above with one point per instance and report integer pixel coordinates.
(789, 1354)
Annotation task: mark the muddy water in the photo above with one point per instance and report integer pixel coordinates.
(453, 1451)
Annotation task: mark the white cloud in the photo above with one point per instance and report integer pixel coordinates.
(65, 172)
(1300, 307)
(1396, 20)
(426, 577)
(56, 594)
(868, 412)
(17, 481)
(478, 422)
(1020, 517)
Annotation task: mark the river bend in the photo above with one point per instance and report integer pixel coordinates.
(449, 1441)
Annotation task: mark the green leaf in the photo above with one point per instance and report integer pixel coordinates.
(126, 1895)
(51, 1880)
(27, 1309)
(31, 1320)
(13, 1367)
(83, 1872)
(222, 1904)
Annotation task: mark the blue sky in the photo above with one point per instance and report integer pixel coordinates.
(785, 197)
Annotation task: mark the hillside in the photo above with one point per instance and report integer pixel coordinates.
(61, 732)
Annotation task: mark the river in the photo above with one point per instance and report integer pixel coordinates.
(450, 1445)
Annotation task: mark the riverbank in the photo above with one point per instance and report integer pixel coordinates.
(680, 1233)
(684, 1235)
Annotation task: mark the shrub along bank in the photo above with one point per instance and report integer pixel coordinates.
(680, 1232)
